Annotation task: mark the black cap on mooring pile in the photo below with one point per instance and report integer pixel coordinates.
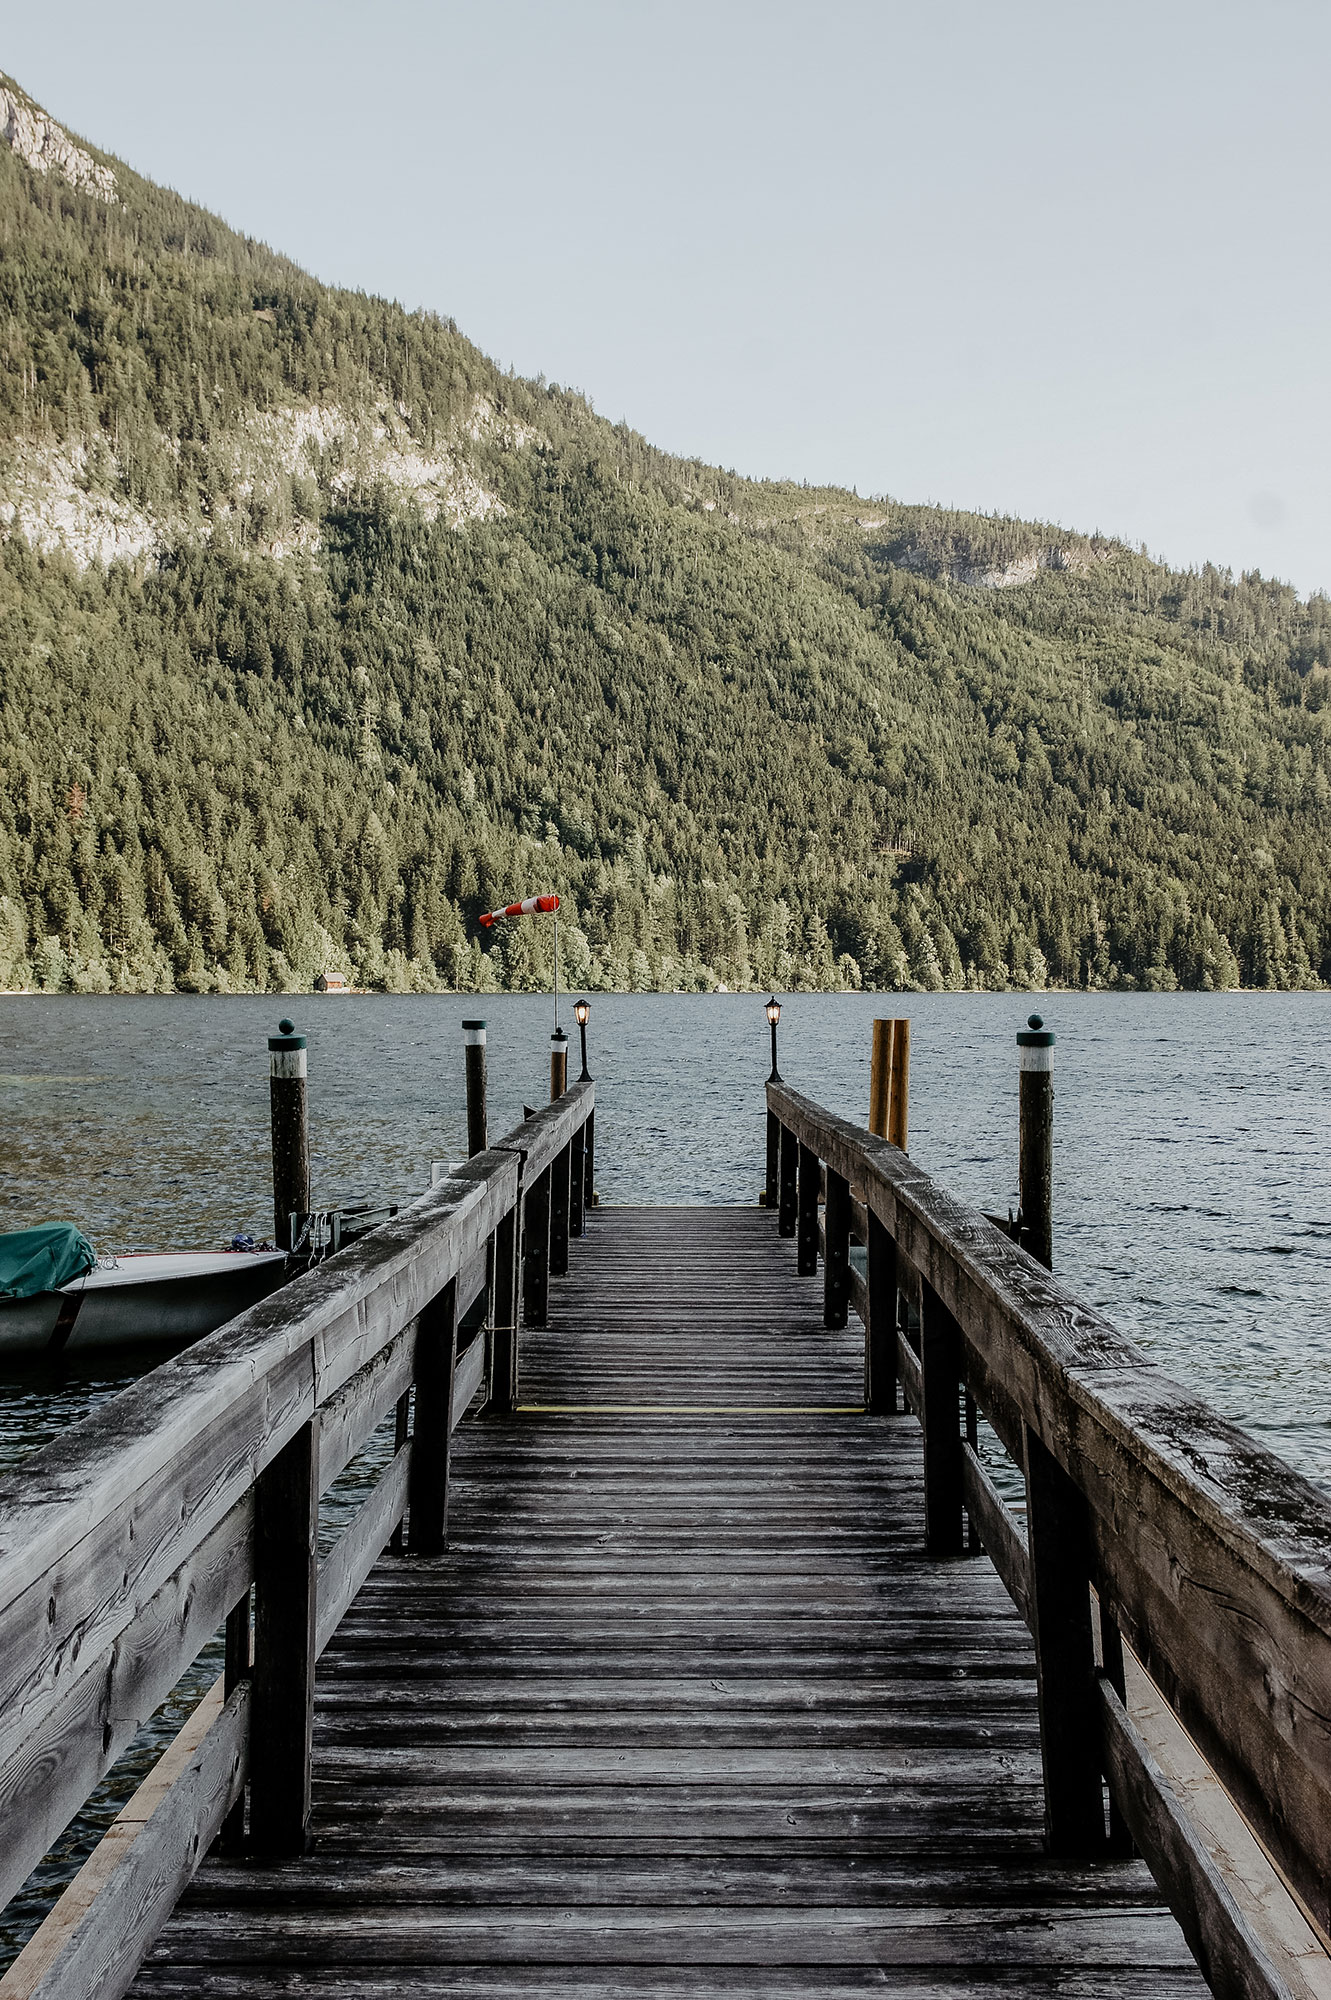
(473, 1032)
(286, 1037)
(1035, 1035)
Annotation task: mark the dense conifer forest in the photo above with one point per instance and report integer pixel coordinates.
(319, 635)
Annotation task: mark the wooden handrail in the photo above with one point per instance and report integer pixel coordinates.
(1211, 1554)
(126, 1542)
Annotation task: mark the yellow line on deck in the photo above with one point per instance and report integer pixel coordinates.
(691, 1409)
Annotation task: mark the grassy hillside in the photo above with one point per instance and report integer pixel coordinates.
(319, 634)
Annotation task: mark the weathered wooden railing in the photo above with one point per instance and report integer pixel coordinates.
(125, 1546)
(1147, 1515)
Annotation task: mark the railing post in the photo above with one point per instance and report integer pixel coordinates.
(536, 1252)
(577, 1201)
(286, 1574)
(560, 1176)
(432, 1430)
(789, 1196)
(504, 1357)
(806, 1242)
(880, 1336)
(771, 1192)
(940, 1419)
(239, 1664)
(836, 1251)
(1059, 1545)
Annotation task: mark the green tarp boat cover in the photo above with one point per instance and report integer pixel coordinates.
(42, 1259)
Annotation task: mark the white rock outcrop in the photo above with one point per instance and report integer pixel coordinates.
(63, 495)
(45, 496)
(47, 147)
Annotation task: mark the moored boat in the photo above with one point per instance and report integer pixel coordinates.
(156, 1298)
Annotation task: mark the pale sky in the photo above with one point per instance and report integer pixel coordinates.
(1063, 261)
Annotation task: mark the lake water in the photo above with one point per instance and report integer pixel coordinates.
(1192, 1167)
(1192, 1158)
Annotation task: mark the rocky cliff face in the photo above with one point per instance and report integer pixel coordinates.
(47, 147)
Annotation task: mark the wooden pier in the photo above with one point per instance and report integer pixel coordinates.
(687, 1673)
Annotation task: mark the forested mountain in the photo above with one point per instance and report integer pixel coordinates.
(319, 634)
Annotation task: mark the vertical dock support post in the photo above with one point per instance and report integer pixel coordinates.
(289, 1110)
(772, 1183)
(286, 1566)
(1059, 1541)
(558, 1064)
(806, 1240)
(1037, 1141)
(788, 1208)
(577, 1193)
(536, 1252)
(507, 1293)
(478, 1140)
(880, 1339)
(561, 1175)
(432, 1430)
(836, 1251)
(588, 1165)
(940, 1419)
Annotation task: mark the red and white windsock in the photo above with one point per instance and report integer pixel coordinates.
(533, 907)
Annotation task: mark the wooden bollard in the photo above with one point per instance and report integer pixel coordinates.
(898, 1123)
(1036, 1149)
(473, 1035)
(291, 1130)
(558, 1064)
(889, 1081)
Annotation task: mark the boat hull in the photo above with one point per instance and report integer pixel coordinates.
(180, 1300)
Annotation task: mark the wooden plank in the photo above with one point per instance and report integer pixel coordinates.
(1002, 1539)
(908, 1369)
(469, 1379)
(350, 1417)
(94, 1940)
(1232, 1957)
(354, 1554)
(72, 1743)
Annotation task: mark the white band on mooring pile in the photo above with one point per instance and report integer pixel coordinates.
(1038, 1060)
(286, 1062)
(474, 1037)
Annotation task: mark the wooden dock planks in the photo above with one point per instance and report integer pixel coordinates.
(683, 1709)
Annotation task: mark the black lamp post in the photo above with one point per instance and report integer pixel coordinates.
(773, 1011)
(581, 1010)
